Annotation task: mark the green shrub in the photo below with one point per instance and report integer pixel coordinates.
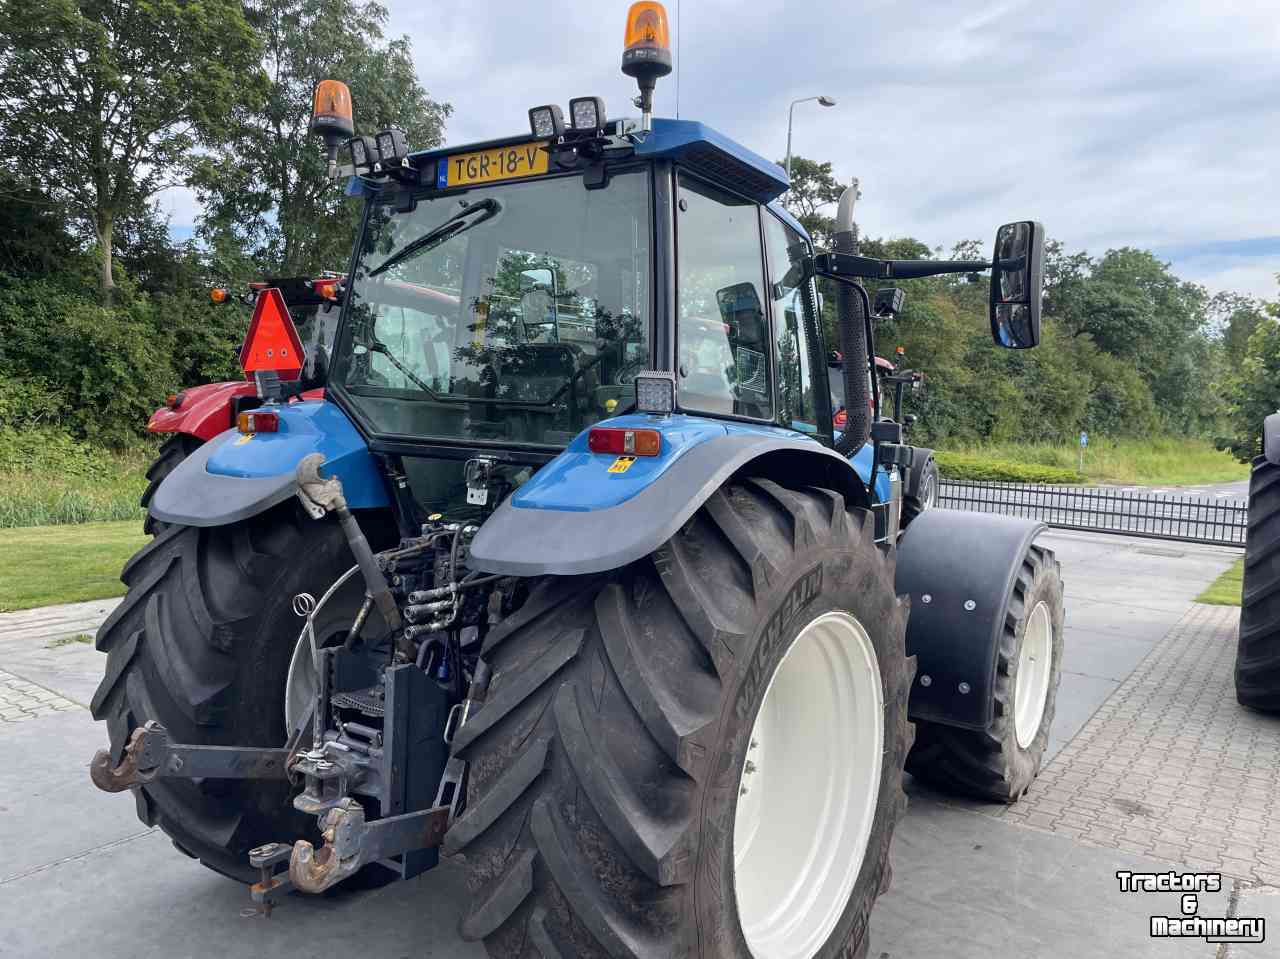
(966, 466)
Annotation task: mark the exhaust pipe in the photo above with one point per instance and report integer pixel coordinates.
(851, 313)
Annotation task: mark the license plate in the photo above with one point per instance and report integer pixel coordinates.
(498, 163)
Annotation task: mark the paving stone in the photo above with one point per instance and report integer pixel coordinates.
(23, 701)
(1171, 765)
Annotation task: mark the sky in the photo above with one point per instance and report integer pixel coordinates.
(1147, 123)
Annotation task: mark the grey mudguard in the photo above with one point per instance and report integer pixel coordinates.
(957, 558)
(1271, 437)
(540, 542)
(192, 496)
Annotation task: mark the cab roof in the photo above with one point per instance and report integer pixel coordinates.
(694, 145)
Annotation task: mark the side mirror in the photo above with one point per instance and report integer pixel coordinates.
(1017, 284)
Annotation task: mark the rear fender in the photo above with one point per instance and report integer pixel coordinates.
(575, 516)
(236, 476)
(955, 559)
(205, 411)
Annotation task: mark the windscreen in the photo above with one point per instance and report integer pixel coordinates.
(516, 313)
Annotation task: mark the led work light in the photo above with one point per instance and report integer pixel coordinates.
(587, 113)
(393, 147)
(364, 152)
(546, 122)
(655, 392)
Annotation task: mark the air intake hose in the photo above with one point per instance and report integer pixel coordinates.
(851, 314)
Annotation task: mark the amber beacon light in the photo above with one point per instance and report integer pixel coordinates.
(646, 53)
(331, 118)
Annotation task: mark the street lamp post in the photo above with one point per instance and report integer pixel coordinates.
(824, 101)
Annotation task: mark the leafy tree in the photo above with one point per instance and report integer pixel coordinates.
(1255, 387)
(264, 189)
(1235, 317)
(103, 100)
(813, 189)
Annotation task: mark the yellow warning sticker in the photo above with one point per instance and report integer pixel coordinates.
(244, 439)
(622, 464)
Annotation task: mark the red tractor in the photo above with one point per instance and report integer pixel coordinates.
(287, 311)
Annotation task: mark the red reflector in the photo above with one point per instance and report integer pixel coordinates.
(841, 419)
(256, 421)
(625, 442)
(272, 343)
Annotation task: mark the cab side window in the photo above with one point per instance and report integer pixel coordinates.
(722, 332)
(791, 345)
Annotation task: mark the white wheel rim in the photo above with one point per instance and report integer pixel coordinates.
(808, 790)
(930, 492)
(1031, 688)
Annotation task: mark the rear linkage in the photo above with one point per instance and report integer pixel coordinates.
(354, 758)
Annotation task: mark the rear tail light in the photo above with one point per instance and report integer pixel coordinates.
(625, 442)
(841, 419)
(257, 421)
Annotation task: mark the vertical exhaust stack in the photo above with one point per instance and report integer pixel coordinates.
(851, 313)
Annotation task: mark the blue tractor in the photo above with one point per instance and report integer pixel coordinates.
(569, 576)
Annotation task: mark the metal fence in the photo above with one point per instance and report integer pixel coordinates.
(1159, 516)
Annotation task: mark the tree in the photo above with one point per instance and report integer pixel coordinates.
(1255, 388)
(264, 190)
(102, 100)
(813, 189)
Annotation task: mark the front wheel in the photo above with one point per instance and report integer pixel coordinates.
(924, 496)
(1258, 649)
(1000, 762)
(700, 754)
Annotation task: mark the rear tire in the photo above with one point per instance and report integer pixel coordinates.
(924, 496)
(1001, 762)
(172, 452)
(1258, 650)
(202, 643)
(607, 759)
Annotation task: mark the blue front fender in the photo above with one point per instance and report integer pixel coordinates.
(235, 476)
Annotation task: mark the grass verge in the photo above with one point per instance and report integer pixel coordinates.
(48, 479)
(43, 565)
(1159, 461)
(1226, 589)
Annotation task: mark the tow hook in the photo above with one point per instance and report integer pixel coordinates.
(350, 843)
(151, 754)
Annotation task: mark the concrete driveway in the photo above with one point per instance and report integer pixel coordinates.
(1154, 767)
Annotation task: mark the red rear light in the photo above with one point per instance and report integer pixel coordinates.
(174, 400)
(841, 419)
(625, 442)
(257, 421)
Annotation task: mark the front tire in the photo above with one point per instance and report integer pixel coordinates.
(1258, 650)
(202, 643)
(608, 760)
(924, 496)
(1001, 762)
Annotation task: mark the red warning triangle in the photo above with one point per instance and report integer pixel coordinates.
(272, 343)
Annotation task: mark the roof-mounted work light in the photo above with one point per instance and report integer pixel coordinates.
(646, 54)
(546, 122)
(393, 147)
(587, 113)
(331, 118)
(364, 152)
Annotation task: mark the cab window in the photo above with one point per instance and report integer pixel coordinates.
(791, 345)
(721, 328)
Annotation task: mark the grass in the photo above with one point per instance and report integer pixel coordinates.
(1159, 461)
(42, 565)
(1226, 589)
(69, 641)
(47, 479)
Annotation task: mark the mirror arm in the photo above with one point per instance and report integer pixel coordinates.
(837, 266)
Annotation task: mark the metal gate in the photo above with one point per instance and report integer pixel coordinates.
(1160, 516)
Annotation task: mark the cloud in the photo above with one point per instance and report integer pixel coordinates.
(1152, 123)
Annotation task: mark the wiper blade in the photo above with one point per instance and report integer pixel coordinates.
(458, 223)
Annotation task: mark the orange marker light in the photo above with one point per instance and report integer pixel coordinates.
(624, 442)
(256, 421)
(272, 343)
(219, 295)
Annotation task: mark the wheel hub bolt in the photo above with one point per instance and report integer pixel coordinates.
(970, 605)
(750, 768)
